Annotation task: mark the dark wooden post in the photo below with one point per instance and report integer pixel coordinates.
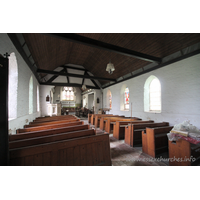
(4, 160)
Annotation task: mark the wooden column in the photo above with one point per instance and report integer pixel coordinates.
(4, 111)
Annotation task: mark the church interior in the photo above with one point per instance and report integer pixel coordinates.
(99, 99)
(96, 99)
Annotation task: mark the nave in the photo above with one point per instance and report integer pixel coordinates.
(71, 141)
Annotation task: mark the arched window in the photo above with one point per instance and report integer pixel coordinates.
(68, 94)
(108, 100)
(38, 100)
(31, 95)
(12, 86)
(126, 99)
(152, 95)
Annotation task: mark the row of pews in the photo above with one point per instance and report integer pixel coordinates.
(59, 141)
(150, 135)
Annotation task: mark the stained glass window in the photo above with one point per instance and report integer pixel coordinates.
(110, 101)
(126, 99)
(68, 94)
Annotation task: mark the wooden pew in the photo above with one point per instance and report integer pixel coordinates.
(41, 117)
(54, 118)
(47, 132)
(104, 119)
(155, 141)
(89, 118)
(50, 138)
(119, 127)
(45, 127)
(84, 151)
(98, 118)
(133, 133)
(50, 123)
(185, 151)
(111, 121)
(93, 117)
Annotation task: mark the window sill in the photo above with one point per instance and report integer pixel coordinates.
(153, 111)
(10, 119)
(124, 110)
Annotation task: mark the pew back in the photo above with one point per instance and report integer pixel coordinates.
(110, 121)
(50, 138)
(33, 124)
(84, 151)
(48, 119)
(155, 141)
(93, 117)
(119, 127)
(46, 127)
(47, 132)
(133, 133)
(183, 153)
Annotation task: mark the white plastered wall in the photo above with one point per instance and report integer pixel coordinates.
(24, 74)
(180, 93)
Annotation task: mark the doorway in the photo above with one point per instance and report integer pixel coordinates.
(90, 101)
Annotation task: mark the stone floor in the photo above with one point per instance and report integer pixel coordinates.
(124, 155)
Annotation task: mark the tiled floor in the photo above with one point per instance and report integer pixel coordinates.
(124, 155)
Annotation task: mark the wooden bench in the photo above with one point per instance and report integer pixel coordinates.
(93, 117)
(111, 121)
(54, 118)
(84, 151)
(182, 149)
(98, 118)
(104, 119)
(155, 141)
(33, 124)
(119, 127)
(47, 132)
(133, 133)
(50, 138)
(89, 118)
(45, 127)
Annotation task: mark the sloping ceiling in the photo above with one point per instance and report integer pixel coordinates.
(50, 52)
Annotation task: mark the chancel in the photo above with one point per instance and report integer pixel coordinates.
(99, 99)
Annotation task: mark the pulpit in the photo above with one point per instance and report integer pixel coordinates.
(54, 109)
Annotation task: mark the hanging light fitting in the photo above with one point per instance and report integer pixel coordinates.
(110, 68)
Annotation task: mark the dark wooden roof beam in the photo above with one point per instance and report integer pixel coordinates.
(102, 45)
(20, 49)
(54, 77)
(93, 81)
(73, 75)
(68, 85)
(76, 68)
